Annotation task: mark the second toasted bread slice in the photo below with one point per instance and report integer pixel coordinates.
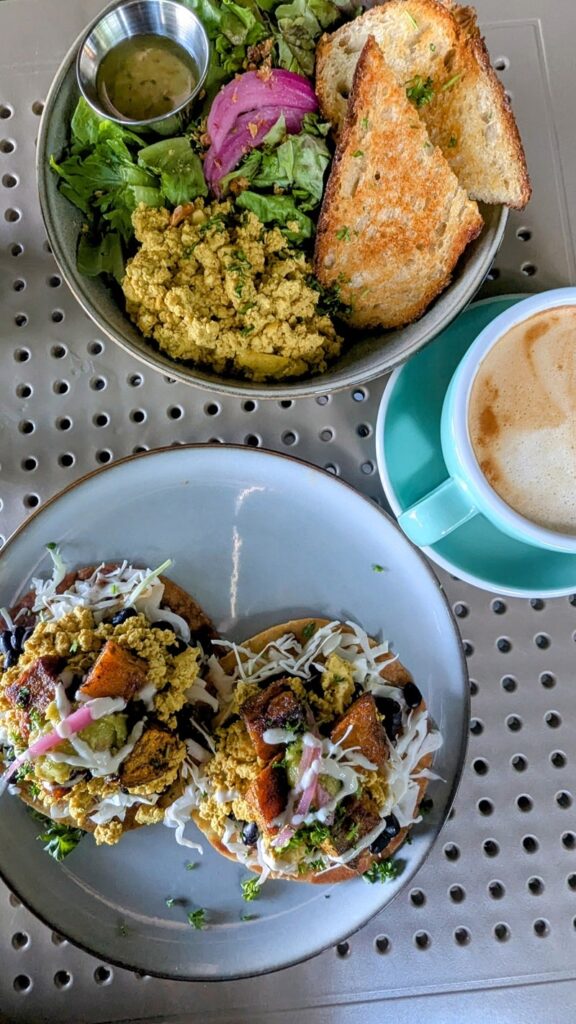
(394, 219)
(437, 54)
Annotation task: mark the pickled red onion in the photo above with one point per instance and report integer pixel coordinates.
(253, 91)
(76, 722)
(247, 133)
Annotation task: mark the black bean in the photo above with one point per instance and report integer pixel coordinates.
(391, 829)
(18, 636)
(161, 624)
(412, 695)
(178, 647)
(122, 615)
(392, 715)
(250, 833)
(6, 641)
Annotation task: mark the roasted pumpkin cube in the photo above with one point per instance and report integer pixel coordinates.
(365, 730)
(115, 673)
(268, 794)
(154, 754)
(276, 707)
(360, 818)
(36, 686)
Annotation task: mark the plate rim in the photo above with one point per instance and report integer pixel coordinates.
(465, 711)
(429, 550)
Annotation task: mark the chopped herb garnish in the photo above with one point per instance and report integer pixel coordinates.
(170, 901)
(383, 871)
(452, 141)
(23, 698)
(419, 90)
(412, 19)
(24, 770)
(426, 806)
(365, 123)
(330, 300)
(343, 234)
(197, 918)
(318, 834)
(432, 47)
(377, 568)
(250, 889)
(451, 81)
(359, 152)
(317, 865)
(190, 865)
(51, 546)
(309, 630)
(35, 718)
(73, 647)
(352, 833)
(59, 840)
(114, 588)
(248, 917)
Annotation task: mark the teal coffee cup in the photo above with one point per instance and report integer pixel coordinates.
(542, 409)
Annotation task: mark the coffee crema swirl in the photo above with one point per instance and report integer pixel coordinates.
(522, 418)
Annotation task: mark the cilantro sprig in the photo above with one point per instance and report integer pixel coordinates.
(420, 90)
(383, 871)
(250, 889)
(60, 840)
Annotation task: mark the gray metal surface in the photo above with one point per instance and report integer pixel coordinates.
(490, 924)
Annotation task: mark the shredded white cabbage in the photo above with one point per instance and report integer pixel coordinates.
(198, 692)
(115, 806)
(107, 592)
(178, 814)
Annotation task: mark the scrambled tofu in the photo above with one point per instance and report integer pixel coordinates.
(227, 292)
(234, 766)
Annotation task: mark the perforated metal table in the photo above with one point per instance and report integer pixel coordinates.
(490, 926)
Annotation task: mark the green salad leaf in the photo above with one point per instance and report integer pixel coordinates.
(292, 165)
(300, 25)
(109, 171)
(232, 28)
(101, 257)
(179, 167)
(280, 210)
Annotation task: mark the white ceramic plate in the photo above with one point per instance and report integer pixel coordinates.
(258, 538)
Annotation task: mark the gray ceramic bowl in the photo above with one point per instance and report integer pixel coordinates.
(362, 361)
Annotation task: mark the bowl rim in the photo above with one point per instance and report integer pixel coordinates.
(99, 19)
(462, 669)
(348, 377)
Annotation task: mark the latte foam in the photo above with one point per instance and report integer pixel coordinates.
(522, 418)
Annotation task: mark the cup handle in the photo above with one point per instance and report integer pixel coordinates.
(436, 515)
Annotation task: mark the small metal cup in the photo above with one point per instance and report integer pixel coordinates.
(139, 17)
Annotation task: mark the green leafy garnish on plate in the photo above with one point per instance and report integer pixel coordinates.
(197, 918)
(60, 840)
(383, 871)
(250, 889)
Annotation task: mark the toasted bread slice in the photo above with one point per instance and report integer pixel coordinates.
(435, 50)
(394, 219)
